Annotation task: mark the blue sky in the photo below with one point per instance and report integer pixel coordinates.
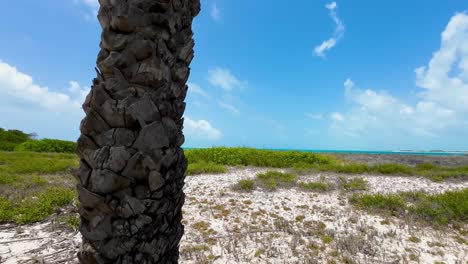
(363, 75)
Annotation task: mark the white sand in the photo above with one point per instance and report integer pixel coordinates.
(227, 226)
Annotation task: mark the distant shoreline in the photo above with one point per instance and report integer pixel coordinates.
(375, 152)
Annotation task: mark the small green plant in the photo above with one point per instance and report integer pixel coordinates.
(272, 179)
(205, 167)
(47, 145)
(72, 222)
(390, 202)
(414, 239)
(246, 184)
(447, 207)
(353, 184)
(327, 239)
(259, 252)
(393, 169)
(314, 186)
(33, 210)
(300, 218)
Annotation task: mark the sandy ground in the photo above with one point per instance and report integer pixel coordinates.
(284, 226)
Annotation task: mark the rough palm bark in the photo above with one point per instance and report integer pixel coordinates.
(132, 167)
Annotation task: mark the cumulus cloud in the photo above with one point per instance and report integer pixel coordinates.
(337, 117)
(445, 78)
(231, 108)
(201, 129)
(224, 79)
(18, 85)
(215, 12)
(440, 108)
(196, 89)
(337, 35)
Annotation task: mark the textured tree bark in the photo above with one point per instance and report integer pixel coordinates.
(132, 167)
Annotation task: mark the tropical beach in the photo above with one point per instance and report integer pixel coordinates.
(219, 132)
(258, 206)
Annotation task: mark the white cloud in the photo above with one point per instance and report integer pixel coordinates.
(445, 79)
(315, 116)
(200, 128)
(229, 107)
(15, 84)
(338, 117)
(196, 89)
(215, 12)
(224, 79)
(441, 108)
(326, 45)
(331, 6)
(337, 35)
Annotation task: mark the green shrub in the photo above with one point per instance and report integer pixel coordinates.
(6, 178)
(426, 166)
(7, 146)
(246, 184)
(47, 145)
(393, 169)
(257, 157)
(40, 163)
(9, 139)
(314, 186)
(272, 179)
(353, 168)
(353, 184)
(442, 208)
(450, 206)
(204, 167)
(35, 209)
(389, 202)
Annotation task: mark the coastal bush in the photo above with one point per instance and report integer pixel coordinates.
(204, 167)
(31, 162)
(9, 139)
(447, 207)
(273, 179)
(353, 184)
(47, 145)
(393, 169)
(257, 157)
(353, 168)
(389, 202)
(315, 186)
(246, 184)
(36, 208)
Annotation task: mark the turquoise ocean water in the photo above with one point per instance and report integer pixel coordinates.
(390, 152)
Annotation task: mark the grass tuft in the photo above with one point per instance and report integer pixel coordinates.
(205, 167)
(444, 208)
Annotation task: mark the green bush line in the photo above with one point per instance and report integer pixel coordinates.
(47, 145)
(304, 161)
(37, 208)
(447, 207)
(12, 163)
(9, 139)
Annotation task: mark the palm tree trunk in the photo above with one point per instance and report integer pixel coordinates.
(132, 167)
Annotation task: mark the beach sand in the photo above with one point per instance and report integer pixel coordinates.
(223, 225)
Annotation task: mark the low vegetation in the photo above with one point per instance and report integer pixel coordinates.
(9, 139)
(33, 185)
(448, 207)
(47, 145)
(204, 167)
(303, 162)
